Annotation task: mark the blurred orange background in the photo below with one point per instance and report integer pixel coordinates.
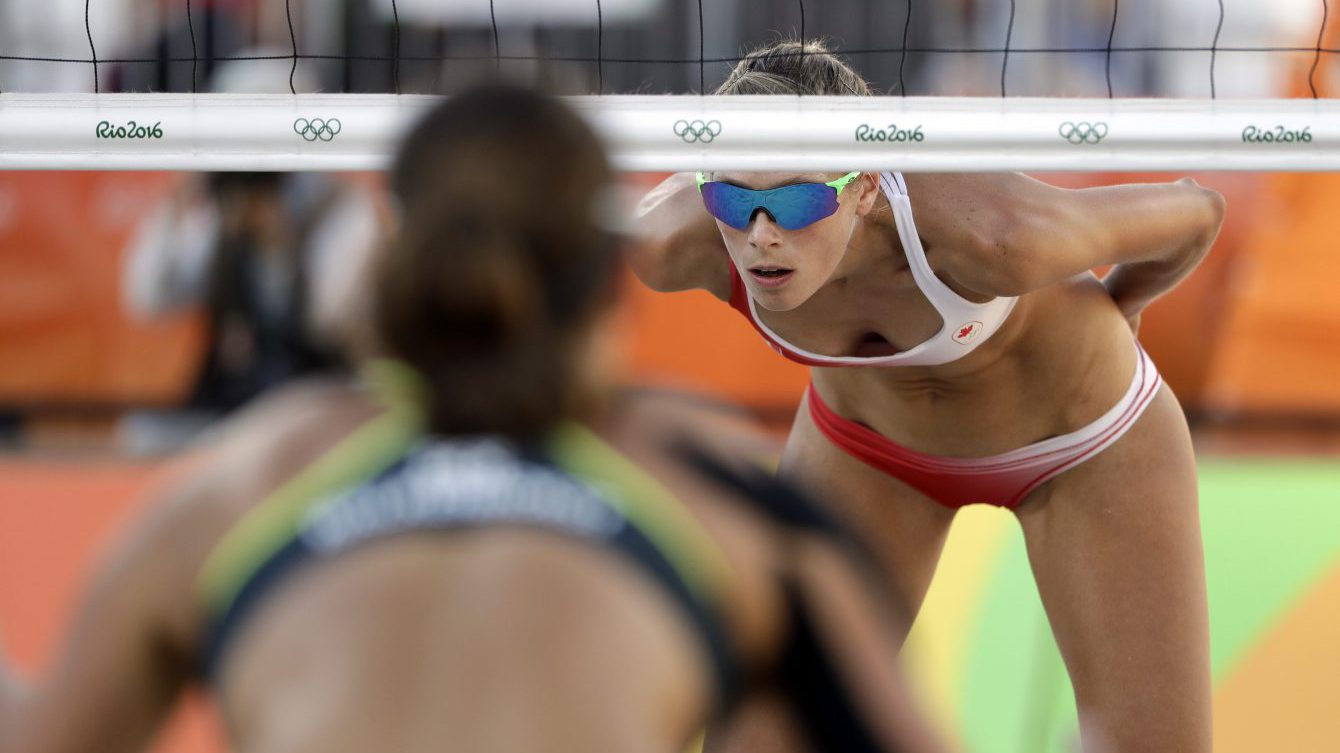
(1255, 332)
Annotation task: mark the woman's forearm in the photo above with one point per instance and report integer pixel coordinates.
(1135, 283)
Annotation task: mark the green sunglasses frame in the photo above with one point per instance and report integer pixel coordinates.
(838, 184)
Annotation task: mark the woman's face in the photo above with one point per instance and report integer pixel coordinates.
(783, 268)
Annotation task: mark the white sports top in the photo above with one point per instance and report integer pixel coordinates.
(966, 324)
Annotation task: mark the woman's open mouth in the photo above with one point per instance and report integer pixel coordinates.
(770, 276)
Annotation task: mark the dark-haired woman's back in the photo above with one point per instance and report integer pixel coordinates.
(503, 639)
(501, 635)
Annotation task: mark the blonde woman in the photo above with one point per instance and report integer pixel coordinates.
(962, 352)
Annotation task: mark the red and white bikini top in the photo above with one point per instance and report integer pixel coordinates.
(966, 324)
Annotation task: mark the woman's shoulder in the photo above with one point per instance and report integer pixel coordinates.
(211, 484)
(667, 412)
(668, 433)
(214, 483)
(676, 245)
(292, 408)
(283, 430)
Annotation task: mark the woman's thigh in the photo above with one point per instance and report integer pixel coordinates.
(1116, 550)
(904, 528)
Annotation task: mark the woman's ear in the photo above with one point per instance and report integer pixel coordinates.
(868, 185)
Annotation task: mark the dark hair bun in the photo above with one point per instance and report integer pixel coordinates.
(499, 261)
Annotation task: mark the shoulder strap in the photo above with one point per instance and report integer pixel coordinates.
(276, 520)
(646, 504)
(670, 542)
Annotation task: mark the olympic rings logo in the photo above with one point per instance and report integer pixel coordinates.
(697, 130)
(316, 128)
(1083, 132)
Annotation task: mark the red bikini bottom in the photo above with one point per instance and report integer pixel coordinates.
(1002, 480)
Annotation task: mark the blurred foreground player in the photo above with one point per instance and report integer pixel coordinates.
(479, 548)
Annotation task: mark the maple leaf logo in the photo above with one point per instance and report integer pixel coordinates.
(967, 333)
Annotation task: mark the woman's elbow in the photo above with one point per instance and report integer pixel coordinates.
(1217, 209)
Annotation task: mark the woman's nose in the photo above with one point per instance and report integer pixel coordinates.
(763, 230)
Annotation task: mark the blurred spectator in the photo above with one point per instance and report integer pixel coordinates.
(273, 261)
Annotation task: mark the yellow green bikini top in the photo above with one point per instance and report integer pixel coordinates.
(389, 477)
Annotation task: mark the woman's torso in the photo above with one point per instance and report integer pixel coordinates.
(501, 640)
(1061, 358)
(497, 638)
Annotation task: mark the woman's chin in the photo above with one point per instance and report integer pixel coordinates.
(778, 299)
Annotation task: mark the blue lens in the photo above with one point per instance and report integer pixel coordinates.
(803, 204)
(791, 207)
(730, 204)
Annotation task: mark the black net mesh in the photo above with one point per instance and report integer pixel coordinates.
(1000, 47)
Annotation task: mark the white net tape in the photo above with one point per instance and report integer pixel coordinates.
(676, 133)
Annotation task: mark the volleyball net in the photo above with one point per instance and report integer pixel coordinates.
(193, 129)
(1098, 87)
